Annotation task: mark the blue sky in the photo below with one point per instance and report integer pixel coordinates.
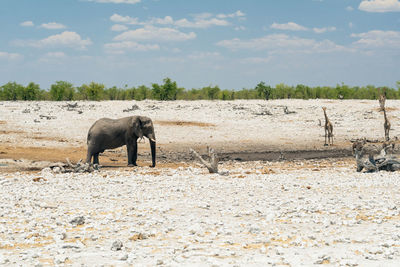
(230, 43)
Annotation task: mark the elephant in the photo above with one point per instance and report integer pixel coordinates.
(108, 133)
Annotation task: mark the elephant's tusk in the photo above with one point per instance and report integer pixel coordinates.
(152, 140)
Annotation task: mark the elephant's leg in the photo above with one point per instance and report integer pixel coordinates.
(89, 156)
(96, 158)
(132, 153)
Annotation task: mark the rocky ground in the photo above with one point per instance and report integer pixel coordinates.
(280, 212)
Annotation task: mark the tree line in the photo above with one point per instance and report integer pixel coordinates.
(169, 90)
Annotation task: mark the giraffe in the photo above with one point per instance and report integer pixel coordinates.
(328, 129)
(386, 125)
(382, 100)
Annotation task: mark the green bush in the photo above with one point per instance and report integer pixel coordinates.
(93, 91)
(168, 91)
(62, 90)
(264, 91)
(31, 92)
(11, 91)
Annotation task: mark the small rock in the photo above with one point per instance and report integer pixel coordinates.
(323, 260)
(116, 245)
(124, 258)
(80, 220)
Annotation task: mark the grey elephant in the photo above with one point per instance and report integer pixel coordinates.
(109, 133)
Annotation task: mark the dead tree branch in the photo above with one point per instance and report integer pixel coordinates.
(79, 167)
(376, 163)
(212, 166)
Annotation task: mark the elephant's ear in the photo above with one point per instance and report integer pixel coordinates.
(137, 127)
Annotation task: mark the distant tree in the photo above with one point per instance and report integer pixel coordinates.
(227, 95)
(283, 91)
(167, 91)
(111, 93)
(31, 92)
(211, 92)
(62, 90)
(344, 91)
(194, 94)
(130, 93)
(263, 90)
(11, 91)
(143, 92)
(93, 91)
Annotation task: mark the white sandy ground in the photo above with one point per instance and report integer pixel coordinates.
(298, 213)
(232, 122)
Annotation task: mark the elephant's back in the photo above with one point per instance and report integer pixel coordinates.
(107, 129)
(105, 122)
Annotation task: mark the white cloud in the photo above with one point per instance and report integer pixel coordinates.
(117, 1)
(153, 33)
(349, 8)
(380, 6)
(290, 26)
(130, 45)
(119, 28)
(10, 56)
(66, 38)
(124, 19)
(233, 15)
(202, 20)
(27, 23)
(282, 43)
(201, 23)
(53, 26)
(325, 29)
(163, 21)
(378, 39)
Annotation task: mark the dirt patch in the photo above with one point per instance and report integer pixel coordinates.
(11, 132)
(285, 155)
(185, 123)
(47, 138)
(388, 109)
(167, 157)
(42, 153)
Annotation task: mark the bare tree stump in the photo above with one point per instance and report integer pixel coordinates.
(212, 166)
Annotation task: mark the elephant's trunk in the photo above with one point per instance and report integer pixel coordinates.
(153, 152)
(152, 140)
